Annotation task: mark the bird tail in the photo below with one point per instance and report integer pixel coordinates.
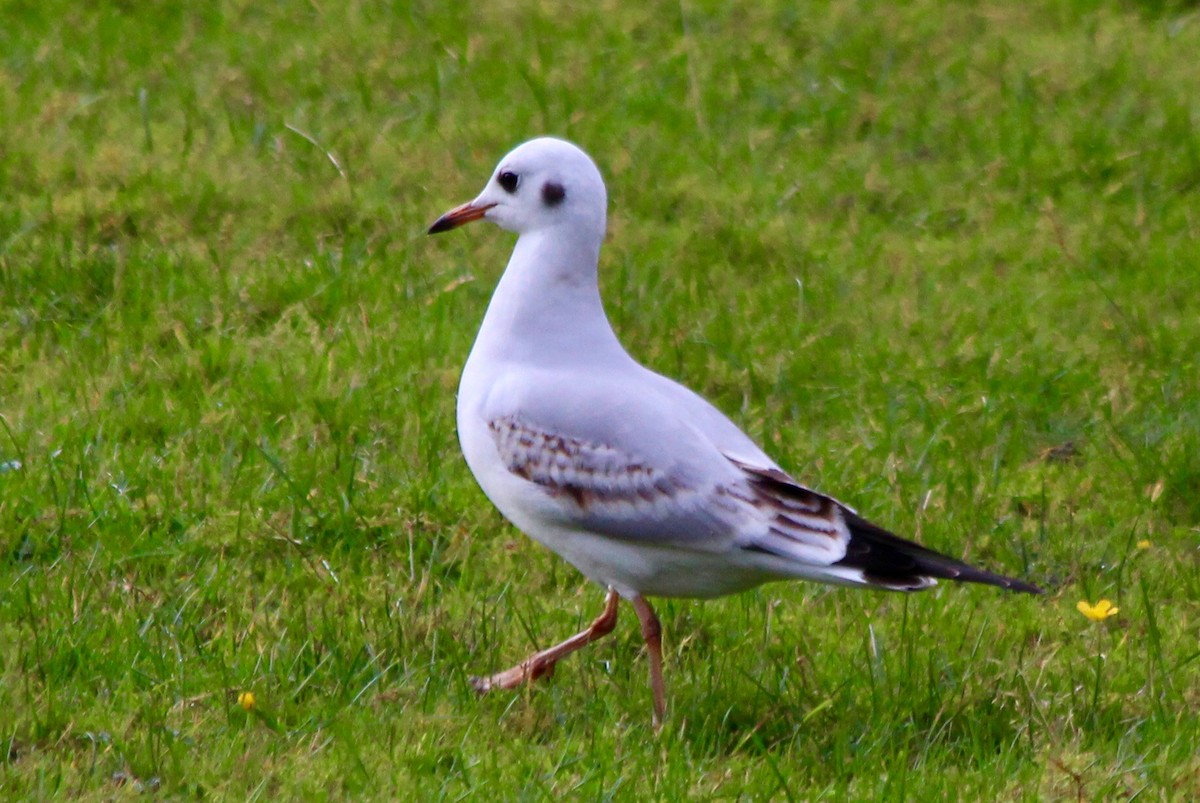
(891, 562)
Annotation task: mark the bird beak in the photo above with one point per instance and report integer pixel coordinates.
(458, 216)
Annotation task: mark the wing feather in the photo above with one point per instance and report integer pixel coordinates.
(620, 494)
(594, 475)
(802, 524)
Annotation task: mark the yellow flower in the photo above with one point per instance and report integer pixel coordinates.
(1143, 544)
(246, 700)
(1098, 612)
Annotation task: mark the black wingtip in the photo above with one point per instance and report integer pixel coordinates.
(1013, 584)
(894, 562)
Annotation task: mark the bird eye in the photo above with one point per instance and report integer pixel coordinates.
(508, 180)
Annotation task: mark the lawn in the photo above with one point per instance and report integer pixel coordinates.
(941, 259)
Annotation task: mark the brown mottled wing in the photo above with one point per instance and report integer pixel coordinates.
(725, 506)
(614, 491)
(591, 474)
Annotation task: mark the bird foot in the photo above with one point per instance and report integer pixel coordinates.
(525, 672)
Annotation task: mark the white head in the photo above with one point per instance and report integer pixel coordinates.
(544, 183)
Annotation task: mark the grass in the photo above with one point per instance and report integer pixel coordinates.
(940, 259)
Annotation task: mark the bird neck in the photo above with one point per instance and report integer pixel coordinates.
(547, 305)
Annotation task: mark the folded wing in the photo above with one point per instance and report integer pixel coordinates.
(615, 491)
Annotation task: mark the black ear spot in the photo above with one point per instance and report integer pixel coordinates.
(553, 194)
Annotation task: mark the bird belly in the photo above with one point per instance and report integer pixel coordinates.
(650, 570)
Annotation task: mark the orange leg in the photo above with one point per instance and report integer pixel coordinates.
(542, 664)
(652, 633)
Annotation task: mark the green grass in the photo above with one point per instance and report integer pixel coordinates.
(941, 260)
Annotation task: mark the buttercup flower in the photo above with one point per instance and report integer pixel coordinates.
(1098, 612)
(246, 700)
(1143, 544)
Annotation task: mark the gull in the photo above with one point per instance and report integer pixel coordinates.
(638, 482)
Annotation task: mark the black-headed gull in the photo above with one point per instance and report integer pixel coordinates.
(635, 480)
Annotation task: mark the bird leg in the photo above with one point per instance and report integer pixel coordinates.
(652, 633)
(541, 664)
